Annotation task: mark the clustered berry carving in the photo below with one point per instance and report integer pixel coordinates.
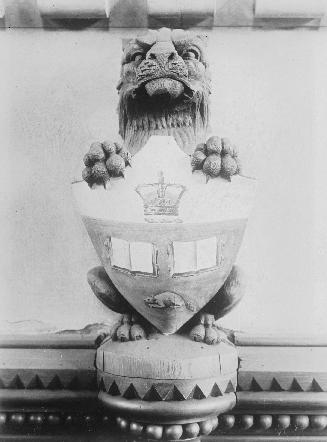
(104, 161)
(216, 157)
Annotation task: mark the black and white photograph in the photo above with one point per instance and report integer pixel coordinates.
(163, 213)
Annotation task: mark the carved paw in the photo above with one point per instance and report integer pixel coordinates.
(128, 329)
(103, 161)
(206, 331)
(217, 157)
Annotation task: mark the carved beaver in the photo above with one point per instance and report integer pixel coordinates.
(164, 90)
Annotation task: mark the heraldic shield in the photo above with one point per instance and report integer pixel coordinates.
(166, 237)
(167, 272)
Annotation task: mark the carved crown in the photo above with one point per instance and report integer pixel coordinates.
(160, 198)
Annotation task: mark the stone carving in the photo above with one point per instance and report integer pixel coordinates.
(168, 300)
(161, 198)
(164, 90)
(169, 66)
(166, 211)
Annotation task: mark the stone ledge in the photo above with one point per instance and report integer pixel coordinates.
(262, 415)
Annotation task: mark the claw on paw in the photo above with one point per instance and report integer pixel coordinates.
(211, 336)
(137, 332)
(206, 331)
(129, 329)
(123, 333)
(198, 333)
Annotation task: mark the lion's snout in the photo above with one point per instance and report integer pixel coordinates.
(162, 75)
(164, 86)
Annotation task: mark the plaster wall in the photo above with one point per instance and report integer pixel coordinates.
(58, 94)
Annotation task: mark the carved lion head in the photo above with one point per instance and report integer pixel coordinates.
(164, 88)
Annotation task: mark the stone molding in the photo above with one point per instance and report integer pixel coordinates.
(171, 13)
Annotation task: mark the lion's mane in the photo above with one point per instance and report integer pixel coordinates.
(171, 65)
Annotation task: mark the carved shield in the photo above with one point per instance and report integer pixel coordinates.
(167, 272)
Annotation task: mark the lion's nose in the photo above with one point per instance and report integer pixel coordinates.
(161, 56)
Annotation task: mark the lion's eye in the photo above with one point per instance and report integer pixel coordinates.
(137, 56)
(191, 54)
